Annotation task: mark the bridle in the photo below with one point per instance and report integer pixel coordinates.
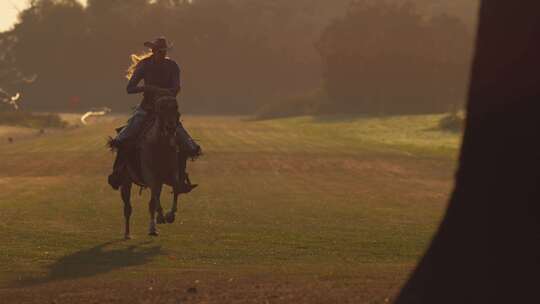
(166, 111)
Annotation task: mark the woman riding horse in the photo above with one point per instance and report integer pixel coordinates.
(161, 77)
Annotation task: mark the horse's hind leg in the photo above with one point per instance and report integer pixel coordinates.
(126, 197)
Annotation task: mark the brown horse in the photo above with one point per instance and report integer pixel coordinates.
(158, 159)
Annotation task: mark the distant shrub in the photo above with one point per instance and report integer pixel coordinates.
(452, 122)
(31, 120)
(308, 104)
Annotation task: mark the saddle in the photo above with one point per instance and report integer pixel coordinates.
(131, 166)
(132, 155)
(128, 163)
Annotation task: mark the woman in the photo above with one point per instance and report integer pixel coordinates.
(161, 76)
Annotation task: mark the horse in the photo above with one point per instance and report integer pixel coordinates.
(158, 148)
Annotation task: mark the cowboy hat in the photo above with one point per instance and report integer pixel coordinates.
(158, 44)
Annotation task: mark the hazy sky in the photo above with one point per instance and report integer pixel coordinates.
(8, 12)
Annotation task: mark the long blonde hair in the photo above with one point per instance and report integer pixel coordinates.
(135, 59)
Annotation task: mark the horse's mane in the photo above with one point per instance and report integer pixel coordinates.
(135, 59)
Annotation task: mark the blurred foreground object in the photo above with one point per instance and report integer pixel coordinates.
(95, 112)
(486, 249)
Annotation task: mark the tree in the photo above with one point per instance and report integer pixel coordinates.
(234, 54)
(486, 248)
(49, 42)
(9, 76)
(386, 58)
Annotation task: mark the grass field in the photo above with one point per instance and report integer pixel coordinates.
(303, 210)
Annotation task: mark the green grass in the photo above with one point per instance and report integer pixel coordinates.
(31, 120)
(417, 134)
(302, 196)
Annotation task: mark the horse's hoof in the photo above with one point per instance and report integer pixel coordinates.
(128, 237)
(170, 217)
(153, 233)
(160, 219)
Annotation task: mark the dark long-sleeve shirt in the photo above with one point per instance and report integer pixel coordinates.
(164, 74)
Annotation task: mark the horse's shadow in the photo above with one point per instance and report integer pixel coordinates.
(100, 259)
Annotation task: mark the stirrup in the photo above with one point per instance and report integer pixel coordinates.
(187, 186)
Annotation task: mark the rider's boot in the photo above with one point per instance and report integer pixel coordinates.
(117, 176)
(120, 143)
(185, 183)
(188, 149)
(187, 143)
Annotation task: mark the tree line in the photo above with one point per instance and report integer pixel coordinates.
(389, 59)
(239, 55)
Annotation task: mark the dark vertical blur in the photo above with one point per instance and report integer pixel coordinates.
(487, 249)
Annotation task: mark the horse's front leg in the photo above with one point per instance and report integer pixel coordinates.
(170, 216)
(154, 207)
(160, 218)
(126, 197)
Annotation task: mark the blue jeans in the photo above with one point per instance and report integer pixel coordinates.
(136, 123)
(133, 127)
(187, 144)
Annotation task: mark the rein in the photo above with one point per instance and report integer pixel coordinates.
(163, 106)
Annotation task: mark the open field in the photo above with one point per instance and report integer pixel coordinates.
(303, 210)
(18, 132)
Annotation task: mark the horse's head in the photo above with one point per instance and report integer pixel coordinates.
(166, 109)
